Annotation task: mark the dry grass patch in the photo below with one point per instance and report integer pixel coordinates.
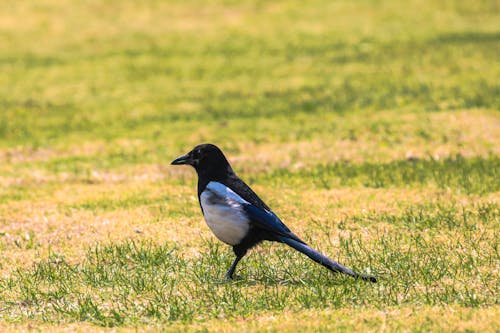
(381, 137)
(445, 319)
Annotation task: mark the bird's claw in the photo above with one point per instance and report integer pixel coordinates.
(231, 278)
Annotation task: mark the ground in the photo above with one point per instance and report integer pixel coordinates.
(371, 128)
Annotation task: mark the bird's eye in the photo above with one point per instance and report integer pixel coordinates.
(196, 154)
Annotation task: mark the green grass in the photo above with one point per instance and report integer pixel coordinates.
(143, 282)
(475, 175)
(370, 127)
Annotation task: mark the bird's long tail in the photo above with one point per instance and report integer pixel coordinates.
(324, 260)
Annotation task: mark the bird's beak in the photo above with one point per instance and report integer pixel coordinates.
(184, 159)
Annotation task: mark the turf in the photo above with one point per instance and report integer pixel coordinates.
(370, 127)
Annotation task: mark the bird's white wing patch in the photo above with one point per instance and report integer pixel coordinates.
(223, 212)
(224, 191)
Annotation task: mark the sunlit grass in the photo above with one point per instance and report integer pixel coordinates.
(143, 282)
(371, 128)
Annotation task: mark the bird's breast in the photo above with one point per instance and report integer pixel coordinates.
(224, 215)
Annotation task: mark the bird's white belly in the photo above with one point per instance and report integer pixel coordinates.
(224, 217)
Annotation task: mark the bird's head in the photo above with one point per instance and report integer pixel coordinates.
(205, 158)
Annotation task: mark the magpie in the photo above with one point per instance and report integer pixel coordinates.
(237, 216)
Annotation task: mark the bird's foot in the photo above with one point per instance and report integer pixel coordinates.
(230, 278)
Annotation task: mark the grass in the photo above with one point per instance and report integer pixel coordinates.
(370, 127)
(139, 281)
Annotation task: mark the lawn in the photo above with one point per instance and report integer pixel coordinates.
(372, 128)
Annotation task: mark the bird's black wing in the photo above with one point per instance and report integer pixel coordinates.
(243, 190)
(267, 220)
(258, 212)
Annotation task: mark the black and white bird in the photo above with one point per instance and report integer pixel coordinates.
(237, 216)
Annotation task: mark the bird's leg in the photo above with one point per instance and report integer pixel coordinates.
(230, 272)
(240, 253)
